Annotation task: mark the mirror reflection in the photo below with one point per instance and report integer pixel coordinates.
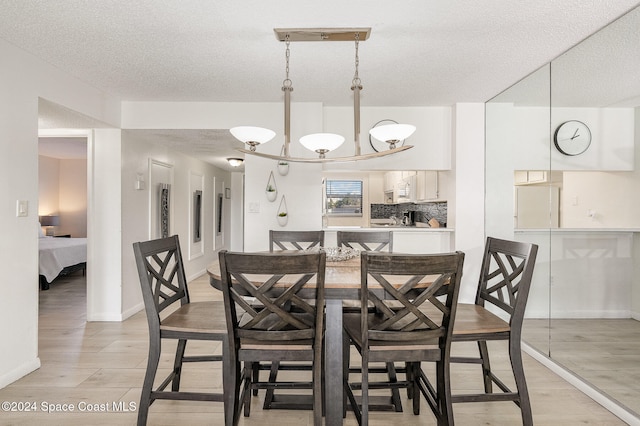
(573, 173)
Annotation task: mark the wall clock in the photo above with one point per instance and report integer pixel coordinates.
(572, 137)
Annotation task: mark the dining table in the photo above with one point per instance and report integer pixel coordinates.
(342, 283)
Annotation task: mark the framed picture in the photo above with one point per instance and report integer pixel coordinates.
(227, 193)
(197, 216)
(219, 216)
(164, 208)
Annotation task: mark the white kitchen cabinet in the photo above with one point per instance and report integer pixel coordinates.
(427, 241)
(391, 179)
(528, 177)
(426, 185)
(406, 240)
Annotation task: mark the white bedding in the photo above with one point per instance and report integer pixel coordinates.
(58, 253)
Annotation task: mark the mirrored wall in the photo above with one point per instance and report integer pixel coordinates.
(563, 171)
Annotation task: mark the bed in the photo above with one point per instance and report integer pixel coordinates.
(59, 257)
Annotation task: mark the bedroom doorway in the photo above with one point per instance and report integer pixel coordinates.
(63, 201)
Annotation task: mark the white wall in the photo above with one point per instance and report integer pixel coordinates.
(48, 186)
(431, 140)
(62, 189)
(189, 174)
(466, 205)
(23, 80)
(104, 276)
(73, 198)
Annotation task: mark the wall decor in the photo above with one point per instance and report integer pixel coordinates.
(219, 215)
(197, 216)
(271, 190)
(283, 165)
(283, 214)
(227, 193)
(164, 208)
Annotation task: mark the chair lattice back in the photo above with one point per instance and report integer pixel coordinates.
(420, 293)
(295, 240)
(161, 274)
(368, 241)
(276, 281)
(506, 274)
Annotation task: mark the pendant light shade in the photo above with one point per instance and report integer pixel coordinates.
(392, 133)
(322, 142)
(252, 136)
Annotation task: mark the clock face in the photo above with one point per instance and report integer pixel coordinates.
(572, 137)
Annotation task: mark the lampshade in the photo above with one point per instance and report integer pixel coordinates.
(392, 133)
(252, 136)
(235, 162)
(322, 142)
(49, 220)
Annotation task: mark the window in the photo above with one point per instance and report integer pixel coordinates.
(344, 197)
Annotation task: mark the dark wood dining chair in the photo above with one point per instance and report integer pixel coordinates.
(366, 240)
(372, 241)
(171, 315)
(287, 240)
(295, 240)
(505, 280)
(289, 326)
(406, 333)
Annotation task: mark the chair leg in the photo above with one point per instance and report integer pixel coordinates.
(149, 377)
(365, 389)
(273, 375)
(515, 354)
(486, 366)
(395, 393)
(246, 393)
(413, 371)
(177, 365)
(230, 384)
(317, 386)
(255, 371)
(410, 378)
(346, 359)
(444, 392)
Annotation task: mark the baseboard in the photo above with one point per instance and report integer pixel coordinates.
(20, 372)
(583, 314)
(630, 417)
(132, 311)
(105, 317)
(196, 275)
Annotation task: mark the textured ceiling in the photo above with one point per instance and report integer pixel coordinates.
(419, 52)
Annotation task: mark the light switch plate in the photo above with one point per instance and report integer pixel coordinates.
(254, 207)
(22, 208)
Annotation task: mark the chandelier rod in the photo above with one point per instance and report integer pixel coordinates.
(356, 87)
(287, 88)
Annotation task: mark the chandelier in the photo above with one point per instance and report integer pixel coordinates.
(322, 143)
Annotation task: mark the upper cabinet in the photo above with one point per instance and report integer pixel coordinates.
(426, 185)
(533, 177)
(410, 186)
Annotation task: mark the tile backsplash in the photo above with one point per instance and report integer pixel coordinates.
(424, 211)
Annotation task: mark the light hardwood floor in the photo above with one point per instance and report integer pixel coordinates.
(102, 363)
(604, 352)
